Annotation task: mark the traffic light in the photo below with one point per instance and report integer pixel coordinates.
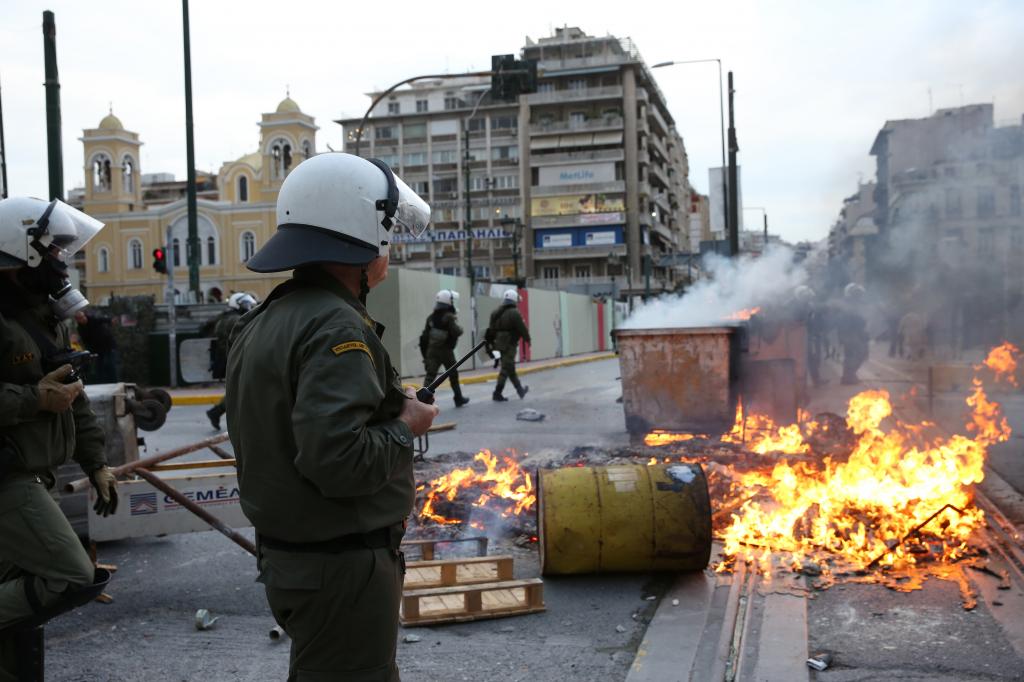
(160, 261)
(512, 77)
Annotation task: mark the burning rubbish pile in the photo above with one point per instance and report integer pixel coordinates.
(839, 500)
(492, 494)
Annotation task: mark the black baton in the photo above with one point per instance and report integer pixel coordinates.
(426, 394)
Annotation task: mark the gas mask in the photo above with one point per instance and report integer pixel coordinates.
(56, 236)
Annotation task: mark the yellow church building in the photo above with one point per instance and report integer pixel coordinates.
(233, 221)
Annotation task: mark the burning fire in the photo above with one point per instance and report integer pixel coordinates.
(505, 490)
(860, 508)
(896, 483)
(658, 437)
(742, 315)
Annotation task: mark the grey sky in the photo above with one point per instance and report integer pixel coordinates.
(815, 80)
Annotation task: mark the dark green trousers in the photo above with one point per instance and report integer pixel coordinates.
(508, 371)
(340, 611)
(432, 363)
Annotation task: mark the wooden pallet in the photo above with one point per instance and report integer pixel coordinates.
(447, 572)
(427, 548)
(472, 602)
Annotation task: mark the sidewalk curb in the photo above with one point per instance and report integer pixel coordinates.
(214, 398)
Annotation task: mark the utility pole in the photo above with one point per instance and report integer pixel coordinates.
(54, 151)
(192, 249)
(3, 152)
(469, 207)
(172, 308)
(734, 218)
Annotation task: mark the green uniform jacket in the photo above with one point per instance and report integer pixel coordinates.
(440, 336)
(313, 413)
(508, 327)
(42, 441)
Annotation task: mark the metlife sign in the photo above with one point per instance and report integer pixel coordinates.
(577, 174)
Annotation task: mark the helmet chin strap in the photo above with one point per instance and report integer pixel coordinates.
(364, 286)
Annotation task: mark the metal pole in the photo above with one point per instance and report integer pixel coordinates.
(766, 230)
(54, 151)
(3, 152)
(172, 310)
(721, 123)
(734, 219)
(192, 250)
(468, 208)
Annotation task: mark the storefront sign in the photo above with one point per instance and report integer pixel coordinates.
(577, 174)
(576, 204)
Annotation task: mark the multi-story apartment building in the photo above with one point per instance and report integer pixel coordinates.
(590, 170)
(942, 227)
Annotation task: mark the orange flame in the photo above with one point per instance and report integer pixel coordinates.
(658, 438)
(759, 433)
(1002, 360)
(744, 314)
(507, 489)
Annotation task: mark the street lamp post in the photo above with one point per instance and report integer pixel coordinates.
(721, 123)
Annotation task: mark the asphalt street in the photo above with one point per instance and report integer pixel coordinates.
(590, 630)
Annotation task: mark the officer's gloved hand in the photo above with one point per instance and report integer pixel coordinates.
(56, 396)
(106, 488)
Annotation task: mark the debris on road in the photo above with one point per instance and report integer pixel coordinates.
(530, 415)
(619, 629)
(205, 621)
(276, 632)
(820, 662)
(411, 639)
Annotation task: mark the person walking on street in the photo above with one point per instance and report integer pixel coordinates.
(321, 426)
(438, 340)
(504, 333)
(221, 326)
(97, 334)
(45, 418)
(853, 333)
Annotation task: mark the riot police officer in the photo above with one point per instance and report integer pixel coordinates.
(220, 327)
(45, 418)
(321, 426)
(437, 342)
(504, 333)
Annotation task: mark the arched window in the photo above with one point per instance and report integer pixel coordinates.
(176, 252)
(103, 260)
(307, 149)
(243, 188)
(281, 155)
(101, 173)
(211, 251)
(247, 247)
(135, 254)
(127, 174)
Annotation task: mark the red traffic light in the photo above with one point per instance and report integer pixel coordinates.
(160, 261)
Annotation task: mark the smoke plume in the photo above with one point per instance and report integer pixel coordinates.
(731, 285)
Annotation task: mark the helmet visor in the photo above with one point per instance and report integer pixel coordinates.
(412, 214)
(85, 228)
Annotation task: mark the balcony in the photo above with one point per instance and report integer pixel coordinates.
(575, 95)
(562, 158)
(577, 220)
(588, 286)
(616, 187)
(559, 253)
(654, 114)
(558, 127)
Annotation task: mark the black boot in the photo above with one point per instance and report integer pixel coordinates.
(461, 400)
(522, 391)
(499, 398)
(214, 415)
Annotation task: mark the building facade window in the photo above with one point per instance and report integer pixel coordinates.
(127, 174)
(243, 189)
(103, 260)
(422, 106)
(476, 124)
(414, 130)
(505, 153)
(577, 83)
(986, 203)
(506, 181)
(176, 252)
(444, 156)
(383, 132)
(1014, 200)
(547, 86)
(135, 254)
(577, 118)
(416, 159)
(550, 272)
(446, 185)
(211, 251)
(101, 173)
(247, 247)
(307, 149)
(504, 122)
(986, 242)
(453, 103)
(394, 107)
(582, 272)
(953, 207)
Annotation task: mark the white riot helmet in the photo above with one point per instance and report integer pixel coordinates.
(339, 208)
(510, 296)
(803, 293)
(448, 297)
(242, 301)
(853, 291)
(43, 236)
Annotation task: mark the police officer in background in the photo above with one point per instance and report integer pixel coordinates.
(438, 340)
(220, 327)
(321, 426)
(504, 332)
(45, 417)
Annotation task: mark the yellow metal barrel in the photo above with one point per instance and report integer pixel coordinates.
(624, 518)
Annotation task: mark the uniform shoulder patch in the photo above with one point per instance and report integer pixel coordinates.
(351, 346)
